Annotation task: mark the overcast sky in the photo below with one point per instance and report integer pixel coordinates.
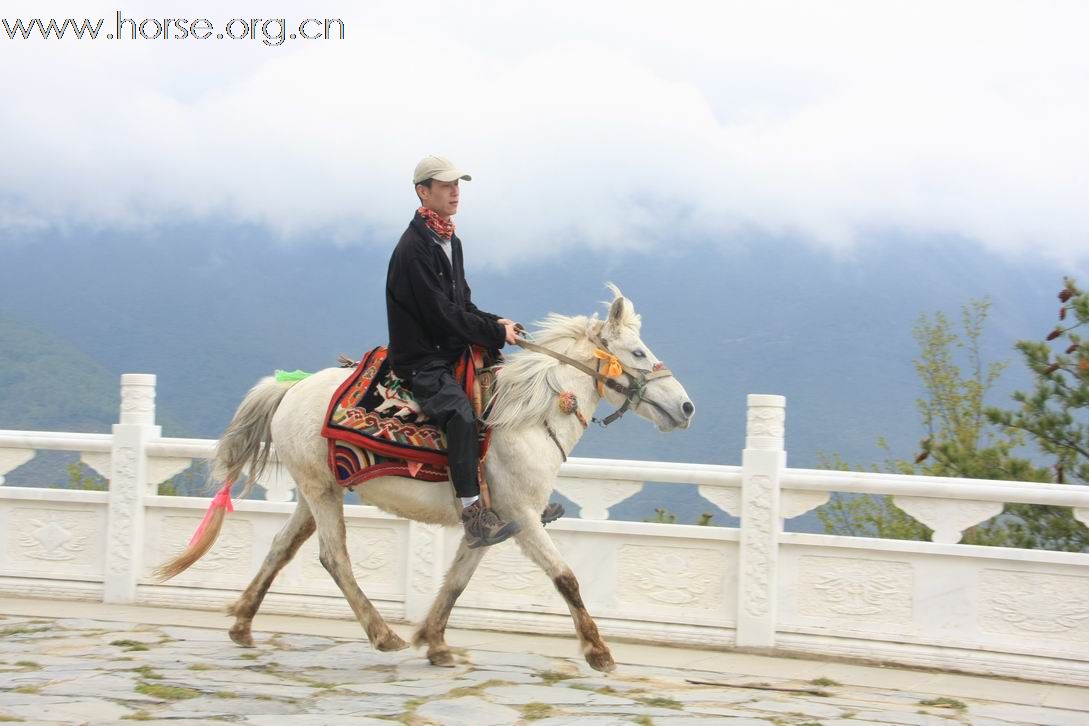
(608, 125)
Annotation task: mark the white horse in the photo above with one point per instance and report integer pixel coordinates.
(531, 437)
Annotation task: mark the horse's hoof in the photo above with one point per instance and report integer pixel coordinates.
(600, 659)
(442, 658)
(242, 637)
(390, 642)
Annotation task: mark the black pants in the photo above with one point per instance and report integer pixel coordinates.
(445, 402)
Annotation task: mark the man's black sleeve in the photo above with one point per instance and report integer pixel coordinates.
(444, 316)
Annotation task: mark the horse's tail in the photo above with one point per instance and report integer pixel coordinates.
(245, 446)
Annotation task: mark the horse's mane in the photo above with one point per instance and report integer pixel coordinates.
(527, 385)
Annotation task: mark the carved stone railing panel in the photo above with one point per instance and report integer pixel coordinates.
(948, 517)
(12, 459)
(595, 496)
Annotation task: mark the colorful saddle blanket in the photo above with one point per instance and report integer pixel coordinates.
(375, 426)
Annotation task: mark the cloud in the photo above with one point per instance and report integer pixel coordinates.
(604, 125)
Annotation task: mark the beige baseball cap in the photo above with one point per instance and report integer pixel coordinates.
(437, 167)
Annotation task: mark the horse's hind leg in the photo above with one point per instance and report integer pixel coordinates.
(540, 548)
(328, 508)
(284, 546)
(432, 631)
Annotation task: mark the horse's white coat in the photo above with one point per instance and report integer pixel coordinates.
(521, 467)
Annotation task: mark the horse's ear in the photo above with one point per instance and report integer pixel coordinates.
(616, 311)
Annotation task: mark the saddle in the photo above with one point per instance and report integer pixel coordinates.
(375, 426)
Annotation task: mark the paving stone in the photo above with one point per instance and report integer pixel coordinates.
(206, 706)
(910, 718)
(511, 676)
(108, 637)
(411, 689)
(85, 680)
(25, 678)
(87, 624)
(696, 721)
(1031, 714)
(169, 722)
(190, 635)
(309, 719)
(602, 682)
(74, 711)
(708, 710)
(356, 705)
(235, 676)
(13, 698)
(520, 695)
(468, 711)
(114, 687)
(709, 695)
(355, 655)
(296, 691)
(524, 660)
(638, 709)
(796, 706)
(342, 677)
(583, 721)
(425, 671)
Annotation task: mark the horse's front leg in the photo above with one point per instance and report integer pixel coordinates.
(540, 548)
(432, 631)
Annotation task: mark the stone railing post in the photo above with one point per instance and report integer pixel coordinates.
(128, 484)
(425, 566)
(762, 463)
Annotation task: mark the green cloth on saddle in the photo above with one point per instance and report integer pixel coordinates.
(295, 375)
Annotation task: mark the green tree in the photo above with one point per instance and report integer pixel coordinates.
(960, 440)
(1055, 417)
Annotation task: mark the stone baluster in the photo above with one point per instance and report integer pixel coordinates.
(762, 463)
(128, 485)
(425, 564)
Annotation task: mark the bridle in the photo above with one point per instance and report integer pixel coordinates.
(638, 378)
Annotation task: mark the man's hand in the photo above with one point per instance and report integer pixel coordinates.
(512, 335)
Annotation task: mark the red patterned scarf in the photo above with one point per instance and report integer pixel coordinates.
(442, 227)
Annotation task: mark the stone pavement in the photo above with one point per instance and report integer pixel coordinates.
(115, 664)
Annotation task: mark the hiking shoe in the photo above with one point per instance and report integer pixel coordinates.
(483, 527)
(551, 513)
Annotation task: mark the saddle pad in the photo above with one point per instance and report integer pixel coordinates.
(353, 465)
(374, 422)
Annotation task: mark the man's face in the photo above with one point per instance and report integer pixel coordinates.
(441, 198)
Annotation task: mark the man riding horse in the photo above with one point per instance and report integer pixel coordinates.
(432, 320)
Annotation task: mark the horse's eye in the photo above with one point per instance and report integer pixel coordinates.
(639, 354)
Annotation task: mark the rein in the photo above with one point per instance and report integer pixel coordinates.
(632, 393)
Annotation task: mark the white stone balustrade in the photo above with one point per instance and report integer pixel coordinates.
(941, 604)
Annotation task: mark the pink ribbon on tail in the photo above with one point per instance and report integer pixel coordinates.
(221, 499)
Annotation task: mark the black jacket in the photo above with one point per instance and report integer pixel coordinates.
(429, 306)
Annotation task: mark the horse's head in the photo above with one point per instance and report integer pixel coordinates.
(654, 395)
